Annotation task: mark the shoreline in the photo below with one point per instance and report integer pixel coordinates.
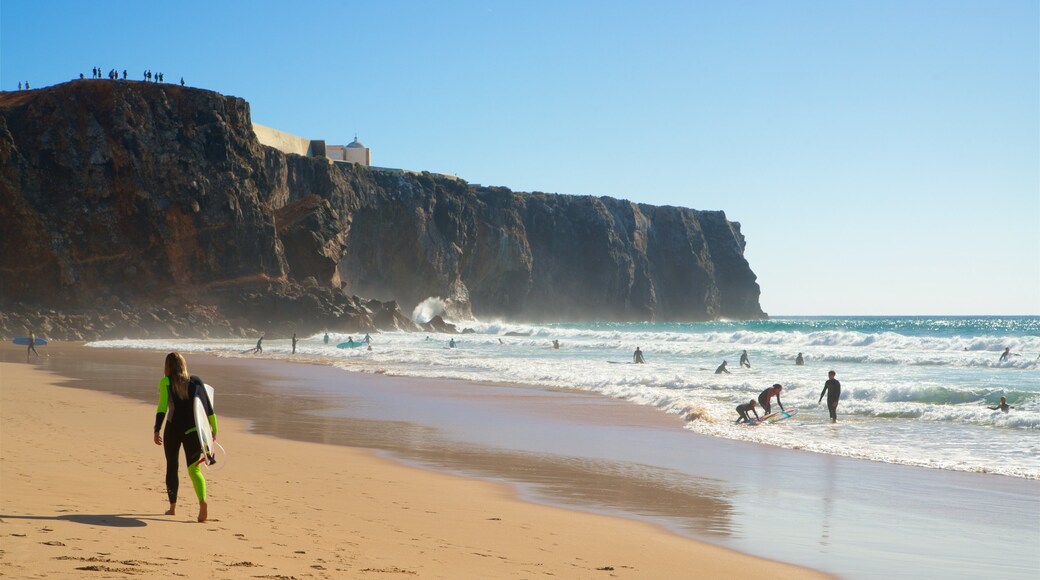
(626, 460)
(341, 510)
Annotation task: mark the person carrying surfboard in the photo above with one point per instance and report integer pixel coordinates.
(32, 346)
(766, 395)
(177, 390)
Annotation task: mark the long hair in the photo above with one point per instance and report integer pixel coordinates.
(177, 371)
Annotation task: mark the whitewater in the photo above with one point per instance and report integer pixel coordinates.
(915, 390)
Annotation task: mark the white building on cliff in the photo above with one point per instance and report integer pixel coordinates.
(355, 152)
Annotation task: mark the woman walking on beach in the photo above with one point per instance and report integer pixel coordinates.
(177, 389)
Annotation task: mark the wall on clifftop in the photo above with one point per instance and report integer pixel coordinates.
(137, 192)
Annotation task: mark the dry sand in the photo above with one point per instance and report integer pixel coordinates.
(82, 495)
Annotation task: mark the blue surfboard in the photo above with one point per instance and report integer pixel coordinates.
(24, 340)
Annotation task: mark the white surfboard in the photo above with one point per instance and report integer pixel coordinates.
(202, 425)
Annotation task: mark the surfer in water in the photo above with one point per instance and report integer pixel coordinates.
(259, 345)
(1007, 354)
(722, 369)
(556, 344)
(637, 357)
(744, 362)
(451, 343)
(799, 361)
(742, 410)
(326, 339)
(177, 389)
(368, 338)
(766, 395)
(1002, 407)
(294, 343)
(832, 388)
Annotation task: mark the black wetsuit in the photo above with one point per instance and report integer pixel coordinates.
(180, 429)
(742, 410)
(766, 395)
(833, 389)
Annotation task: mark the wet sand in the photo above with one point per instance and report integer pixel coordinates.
(849, 517)
(82, 494)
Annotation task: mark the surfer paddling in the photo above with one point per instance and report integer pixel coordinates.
(177, 390)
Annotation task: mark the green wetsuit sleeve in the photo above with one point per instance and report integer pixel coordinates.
(164, 402)
(213, 423)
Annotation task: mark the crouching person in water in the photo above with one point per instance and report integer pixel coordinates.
(176, 391)
(742, 410)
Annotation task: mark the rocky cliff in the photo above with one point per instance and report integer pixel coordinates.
(157, 203)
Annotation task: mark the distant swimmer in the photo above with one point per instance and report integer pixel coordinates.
(1003, 406)
(556, 344)
(832, 388)
(500, 341)
(259, 345)
(742, 410)
(637, 357)
(744, 362)
(1007, 354)
(722, 369)
(294, 343)
(326, 339)
(799, 361)
(451, 343)
(766, 395)
(368, 338)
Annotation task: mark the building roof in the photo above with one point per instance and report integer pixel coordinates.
(355, 143)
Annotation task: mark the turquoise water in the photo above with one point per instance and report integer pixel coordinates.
(915, 390)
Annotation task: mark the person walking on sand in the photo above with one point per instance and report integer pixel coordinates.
(294, 343)
(766, 395)
(832, 388)
(637, 357)
(799, 361)
(722, 369)
(177, 390)
(744, 362)
(1002, 407)
(742, 410)
(259, 345)
(32, 347)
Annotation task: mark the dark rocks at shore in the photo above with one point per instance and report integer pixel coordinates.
(124, 201)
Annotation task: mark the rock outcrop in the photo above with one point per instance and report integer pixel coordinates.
(150, 208)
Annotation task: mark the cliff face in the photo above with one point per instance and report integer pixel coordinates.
(128, 194)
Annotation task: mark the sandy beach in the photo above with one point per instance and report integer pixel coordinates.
(83, 492)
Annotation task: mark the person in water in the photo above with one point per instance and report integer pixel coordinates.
(744, 362)
(1003, 406)
(177, 390)
(766, 395)
(1007, 354)
(294, 343)
(832, 388)
(743, 410)
(799, 361)
(637, 357)
(259, 345)
(368, 338)
(722, 369)
(451, 343)
(326, 339)
(556, 344)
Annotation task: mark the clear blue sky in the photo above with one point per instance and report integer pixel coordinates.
(882, 157)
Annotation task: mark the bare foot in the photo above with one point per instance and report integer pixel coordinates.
(202, 511)
(172, 510)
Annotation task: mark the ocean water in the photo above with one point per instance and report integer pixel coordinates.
(915, 390)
